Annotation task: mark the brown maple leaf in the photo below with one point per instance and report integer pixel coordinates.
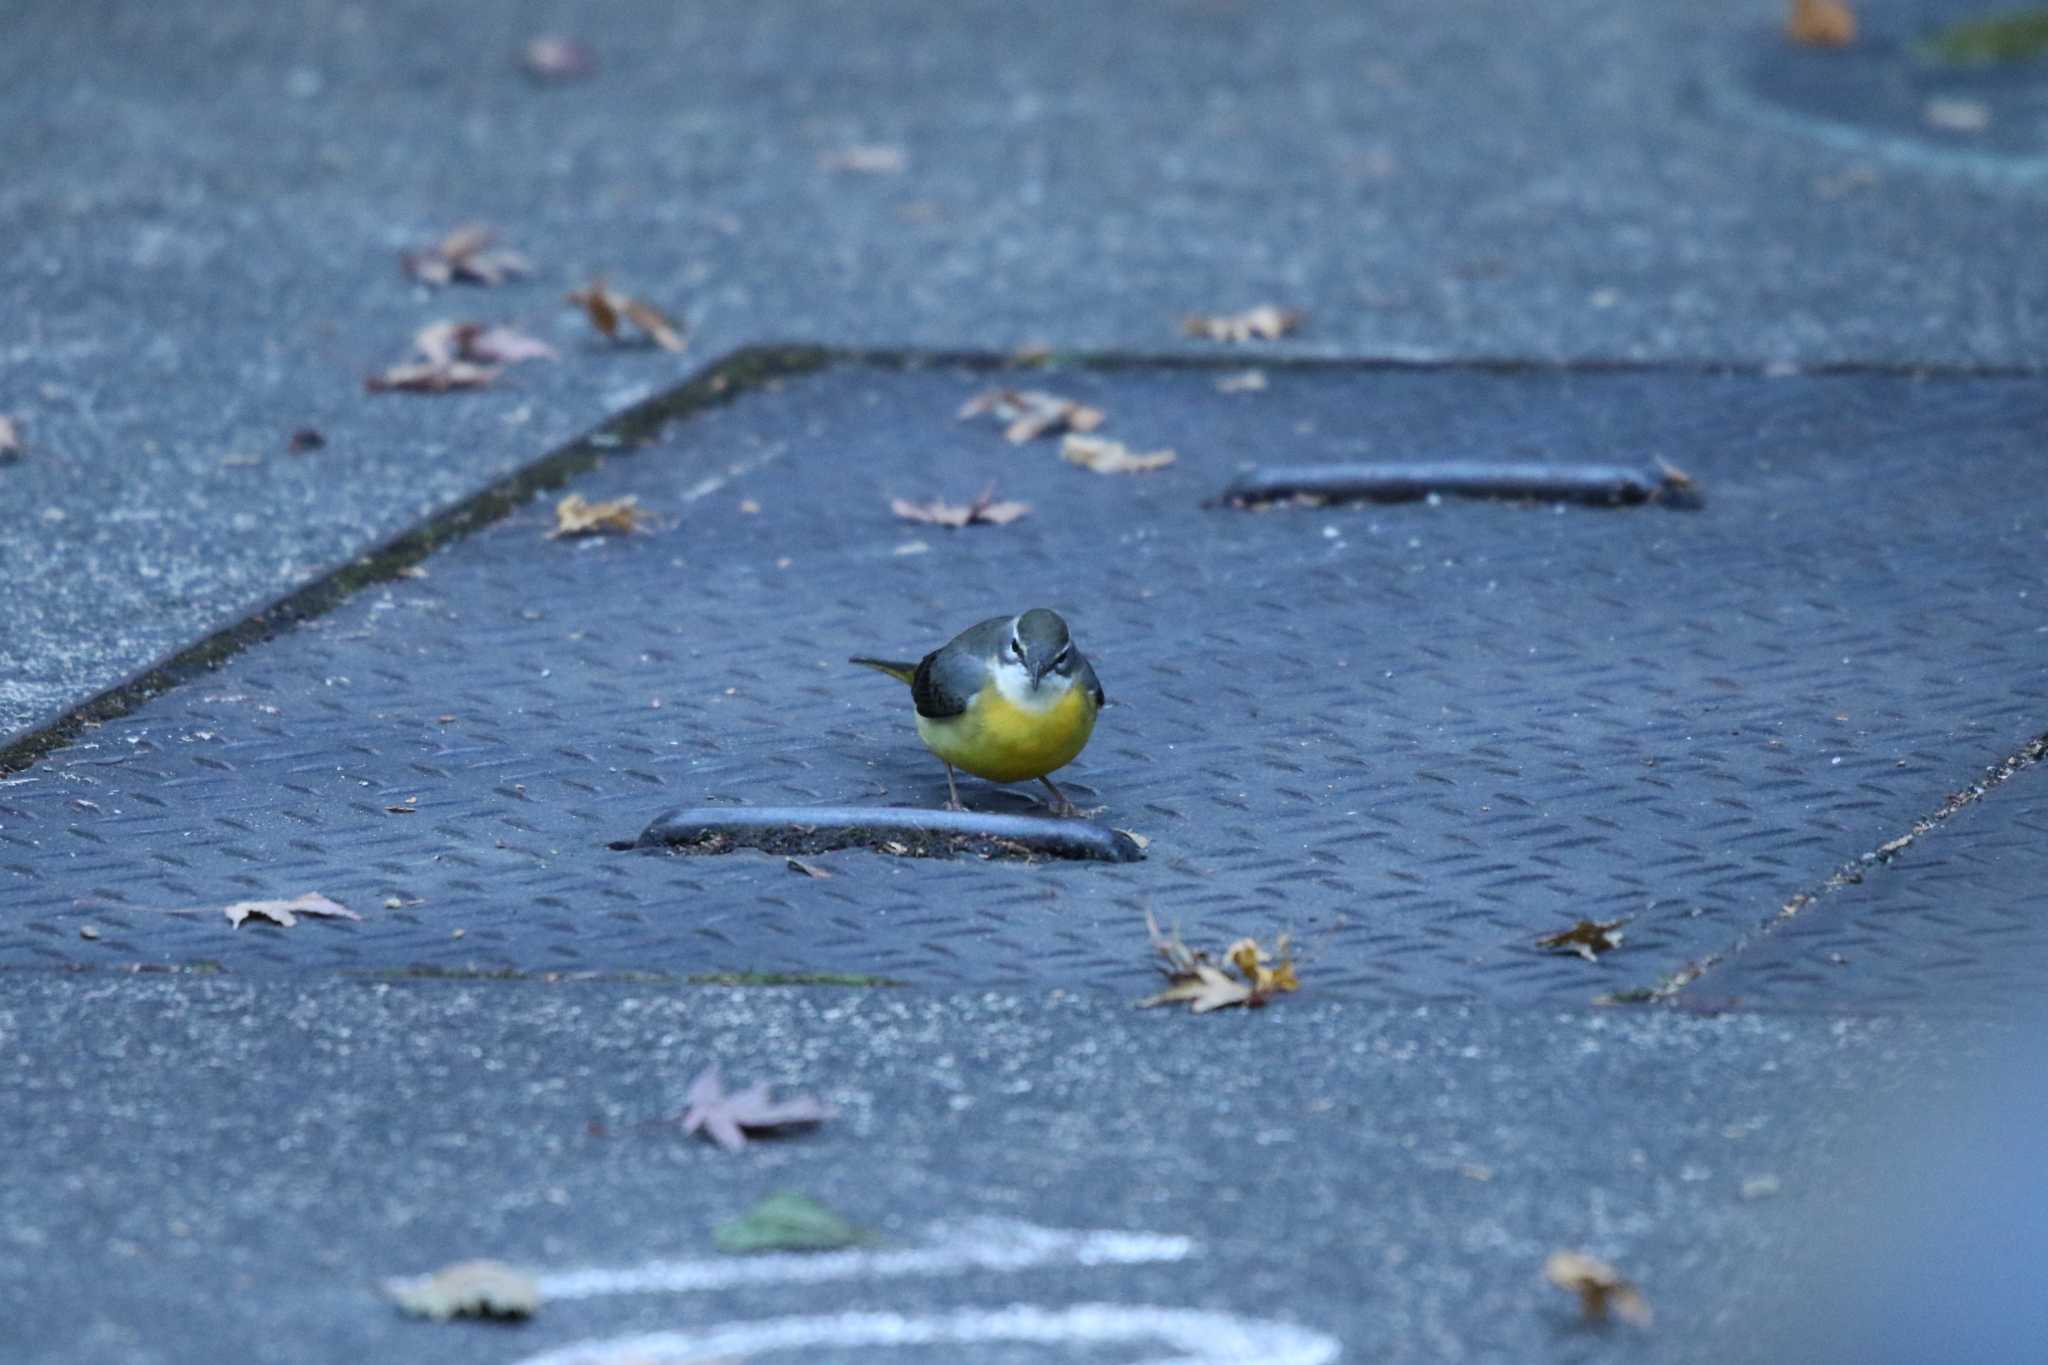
(1588, 938)
(10, 440)
(1263, 323)
(464, 255)
(1601, 1288)
(983, 511)
(1031, 413)
(576, 515)
(608, 309)
(726, 1118)
(1821, 23)
(1111, 457)
(556, 57)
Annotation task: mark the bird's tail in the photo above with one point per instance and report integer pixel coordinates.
(901, 672)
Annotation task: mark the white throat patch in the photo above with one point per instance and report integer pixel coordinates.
(1013, 682)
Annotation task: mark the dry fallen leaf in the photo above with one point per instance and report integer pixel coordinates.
(10, 440)
(557, 57)
(1111, 457)
(285, 914)
(1244, 381)
(464, 255)
(1263, 323)
(460, 355)
(1821, 23)
(576, 515)
(1600, 1287)
(725, 1118)
(984, 510)
(868, 159)
(808, 869)
(1588, 938)
(1204, 985)
(1031, 413)
(607, 308)
(467, 1289)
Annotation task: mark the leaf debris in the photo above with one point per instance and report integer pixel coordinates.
(1267, 322)
(467, 1289)
(1588, 938)
(1205, 985)
(576, 515)
(808, 869)
(305, 440)
(984, 510)
(285, 913)
(788, 1221)
(1112, 457)
(1031, 413)
(1244, 381)
(608, 309)
(465, 255)
(460, 355)
(10, 440)
(725, 1117)
(1602, 1289)
(1821, 23)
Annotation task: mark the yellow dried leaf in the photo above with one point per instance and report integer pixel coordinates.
(468, 1289)
(1266, 322)
(1203, 985)
(576, 515)
(1112, 457)
(1821, 23)
(1601, 1288)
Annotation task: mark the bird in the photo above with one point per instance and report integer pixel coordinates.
(1009, 699)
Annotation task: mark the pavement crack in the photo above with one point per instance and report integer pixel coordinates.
(1851, 873)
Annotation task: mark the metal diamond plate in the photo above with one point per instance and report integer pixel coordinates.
(1417, 736)
(1955, 923)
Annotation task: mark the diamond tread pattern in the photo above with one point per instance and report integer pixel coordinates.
(1417, 736)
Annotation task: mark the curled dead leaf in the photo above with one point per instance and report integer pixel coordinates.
(1193, 979)
(285, 913)
(465, 255)
(1588, 938)
(1266, 322)
(467, 1289)
(1821, 23)
(1112, 457)
(608, 310)
(576, 515)
(1602, 1289)
(1030, 413)
(984, 510)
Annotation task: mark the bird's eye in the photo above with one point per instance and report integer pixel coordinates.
(1017, 648)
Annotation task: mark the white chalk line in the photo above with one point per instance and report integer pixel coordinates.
(1200, 1338)
(951, 1249)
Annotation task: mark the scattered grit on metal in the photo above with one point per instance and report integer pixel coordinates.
(1416, 736)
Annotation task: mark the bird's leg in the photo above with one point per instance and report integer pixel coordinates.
(952, 792)
(1060, 804)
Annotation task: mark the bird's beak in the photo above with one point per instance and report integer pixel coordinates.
(1039, 668)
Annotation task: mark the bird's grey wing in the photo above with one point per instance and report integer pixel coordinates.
(1085, 676)
(946, 681)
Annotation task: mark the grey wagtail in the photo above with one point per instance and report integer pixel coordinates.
(1009, 700)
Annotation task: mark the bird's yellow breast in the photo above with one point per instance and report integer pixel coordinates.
(998, 739)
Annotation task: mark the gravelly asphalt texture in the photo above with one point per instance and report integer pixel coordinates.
(227, 1168)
